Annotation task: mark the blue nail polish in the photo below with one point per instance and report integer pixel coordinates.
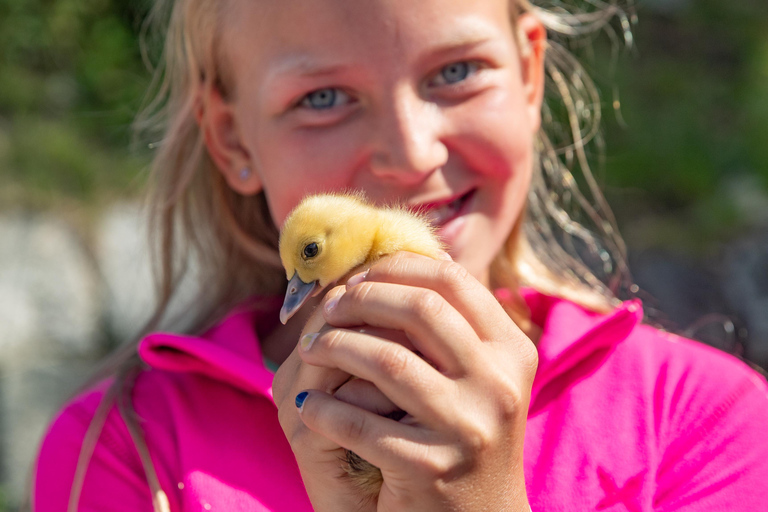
(300, 399)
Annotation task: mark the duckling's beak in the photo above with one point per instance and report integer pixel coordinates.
(297, 294)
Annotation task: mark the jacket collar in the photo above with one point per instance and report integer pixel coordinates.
(229, 352)
(574, 343)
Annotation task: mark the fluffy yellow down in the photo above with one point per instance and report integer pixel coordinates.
(349, 232)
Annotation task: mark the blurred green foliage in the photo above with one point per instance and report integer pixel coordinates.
(693, 95)
(71, 80)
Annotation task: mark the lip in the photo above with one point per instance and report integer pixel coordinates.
(427, 207)
(433, 205)
(441, 214)
(451, 228)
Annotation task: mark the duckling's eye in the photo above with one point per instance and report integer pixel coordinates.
(311, 250)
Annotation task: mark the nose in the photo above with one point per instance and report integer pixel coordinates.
(407, 139)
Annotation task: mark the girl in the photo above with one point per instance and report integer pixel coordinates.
(533, 385)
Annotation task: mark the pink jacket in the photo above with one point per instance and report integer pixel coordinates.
(622, 418)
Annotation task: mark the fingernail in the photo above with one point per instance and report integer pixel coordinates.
(444, 256)
(331, 304)
(300, 399)
(357, 279)
(307, 340)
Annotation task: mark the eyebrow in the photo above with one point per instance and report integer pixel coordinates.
(471, 34)
(305, 65)
(458, 44)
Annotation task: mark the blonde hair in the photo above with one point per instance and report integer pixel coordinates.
(565, 245)
(569, 245)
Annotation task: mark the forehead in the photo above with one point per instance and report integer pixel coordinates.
(297, 32)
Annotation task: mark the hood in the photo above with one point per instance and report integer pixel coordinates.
(229, 352)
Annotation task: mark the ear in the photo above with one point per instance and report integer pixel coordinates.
(532, 38)
(218, 124)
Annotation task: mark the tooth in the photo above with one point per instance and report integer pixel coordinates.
(438, 216)
(434, 216)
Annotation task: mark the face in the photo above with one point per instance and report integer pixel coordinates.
(427, 103)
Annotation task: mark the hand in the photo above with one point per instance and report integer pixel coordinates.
(465, 381)
(319, 458)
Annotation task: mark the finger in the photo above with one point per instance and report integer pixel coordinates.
(295, 380)
(293, 375)
(436, 329)
(452, 281)
(405, 378)
(287, 375)
(364, 394)
(393, 335)
(382, 442)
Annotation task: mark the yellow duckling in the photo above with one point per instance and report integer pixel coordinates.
(326, 236)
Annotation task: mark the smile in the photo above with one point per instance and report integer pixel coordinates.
(441, 213)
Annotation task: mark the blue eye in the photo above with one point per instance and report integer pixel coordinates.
(323, 99)
(455, 72)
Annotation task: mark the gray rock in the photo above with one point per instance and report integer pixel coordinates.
(123, 258)
(745, 282)
(49, 291)
(681, 289)
(123, 254)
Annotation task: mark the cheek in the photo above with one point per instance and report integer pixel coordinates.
(507, 119)
(502, 150)
(295, 164)
(498, 138)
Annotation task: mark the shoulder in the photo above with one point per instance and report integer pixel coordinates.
(111, 468)
(685, 371)
(88, 443)
(690, 384)
(710, 412)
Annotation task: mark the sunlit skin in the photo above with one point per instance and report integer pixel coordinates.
(434, 104)
(396, 128)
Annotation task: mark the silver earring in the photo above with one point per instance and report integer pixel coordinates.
(245, 173)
